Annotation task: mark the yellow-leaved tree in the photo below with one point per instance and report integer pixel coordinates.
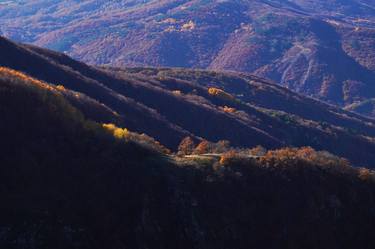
(119, 133)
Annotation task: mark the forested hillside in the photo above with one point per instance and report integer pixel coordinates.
(68, 182)
(171, 104)
(320, 48)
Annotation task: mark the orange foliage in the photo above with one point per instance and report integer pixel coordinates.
(290, 156)
(220, 93)
(186, 146)
(287, 154)
(228, 109)
(143, 139)
(13, 73)
(203, 147)
(214, 91)
(258, 151)
(60, 88)
(306, 153)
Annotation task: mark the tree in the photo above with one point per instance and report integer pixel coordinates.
(258, 151)
(117, 132)
(202, 148)
(186, 146)
(222, 146)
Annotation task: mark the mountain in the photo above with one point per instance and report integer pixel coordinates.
(320, 48)
(67, 182)
(171, 104)
(117, 157)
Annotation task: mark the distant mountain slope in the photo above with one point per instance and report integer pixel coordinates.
(366, 107)
(170, 104)
(352, 10)
(67, 183)
(319, 48)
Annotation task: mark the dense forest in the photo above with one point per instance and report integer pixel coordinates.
(196, 124)
(171, 104)
(318, 48)
(68, 182)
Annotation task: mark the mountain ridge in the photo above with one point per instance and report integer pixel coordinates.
(322, 49)
(188, 153)
(67, 182)
(170, 104)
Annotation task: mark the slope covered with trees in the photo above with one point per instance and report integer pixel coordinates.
(67, 182)
(170, 104)
(319, 48)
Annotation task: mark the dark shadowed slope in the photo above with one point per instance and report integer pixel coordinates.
(56, 70)
(169, 104)
(67, 183)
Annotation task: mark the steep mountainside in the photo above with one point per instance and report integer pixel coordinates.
(319, 48)
(67, 183)
(170, 104)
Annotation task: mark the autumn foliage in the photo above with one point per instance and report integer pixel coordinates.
(202, 148)
(10, 73)
(228, 109)
(186, 146)
(142, 139)
(292, 156)
(61, 88)
(220, 93)
(60, 177)
(119, 133)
